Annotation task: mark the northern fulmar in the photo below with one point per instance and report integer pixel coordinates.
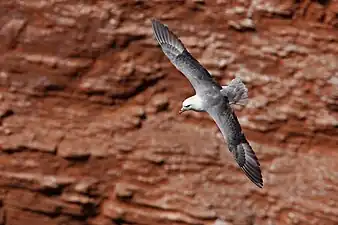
(212, 98)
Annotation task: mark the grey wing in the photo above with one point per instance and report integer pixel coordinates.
(244, 155)
(236, 92)
(173, 48)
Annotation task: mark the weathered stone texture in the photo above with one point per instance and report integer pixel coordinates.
(90, 132)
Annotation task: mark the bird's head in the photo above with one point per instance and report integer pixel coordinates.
(191, 103)
(186, 105)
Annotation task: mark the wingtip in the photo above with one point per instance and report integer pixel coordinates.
(254, 174)
(156, 24)
(166, 38)
(260, 185)
(158, 29)
(154, 21)
(255, 178)
(251, 165)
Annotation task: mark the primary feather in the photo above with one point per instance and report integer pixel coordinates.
(173, 48)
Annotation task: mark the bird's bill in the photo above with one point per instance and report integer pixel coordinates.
(181, 111)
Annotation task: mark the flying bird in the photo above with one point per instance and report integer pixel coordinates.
(212, 98)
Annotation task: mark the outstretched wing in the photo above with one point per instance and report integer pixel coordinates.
(173, 48)
(229, 126)
(236, 92)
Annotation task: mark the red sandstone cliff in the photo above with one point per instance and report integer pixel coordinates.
(89, 127)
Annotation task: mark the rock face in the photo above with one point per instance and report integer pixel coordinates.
(90, 132)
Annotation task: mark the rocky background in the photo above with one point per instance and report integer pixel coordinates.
(90, 131)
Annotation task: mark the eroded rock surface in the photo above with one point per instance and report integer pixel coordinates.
(90, 132)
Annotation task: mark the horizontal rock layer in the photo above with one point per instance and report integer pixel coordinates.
(90, 132)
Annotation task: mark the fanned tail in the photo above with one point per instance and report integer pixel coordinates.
(236, 92)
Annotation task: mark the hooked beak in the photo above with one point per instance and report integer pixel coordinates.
(181, 110)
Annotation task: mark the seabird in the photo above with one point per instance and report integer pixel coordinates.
(212, 98)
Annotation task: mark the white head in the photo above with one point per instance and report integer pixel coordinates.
(192, 103)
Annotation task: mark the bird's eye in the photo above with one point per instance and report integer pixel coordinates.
(187, 106)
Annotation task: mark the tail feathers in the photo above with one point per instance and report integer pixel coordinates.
(236, 92)
(247, 160)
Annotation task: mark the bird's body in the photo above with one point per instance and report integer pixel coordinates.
(212, 98)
